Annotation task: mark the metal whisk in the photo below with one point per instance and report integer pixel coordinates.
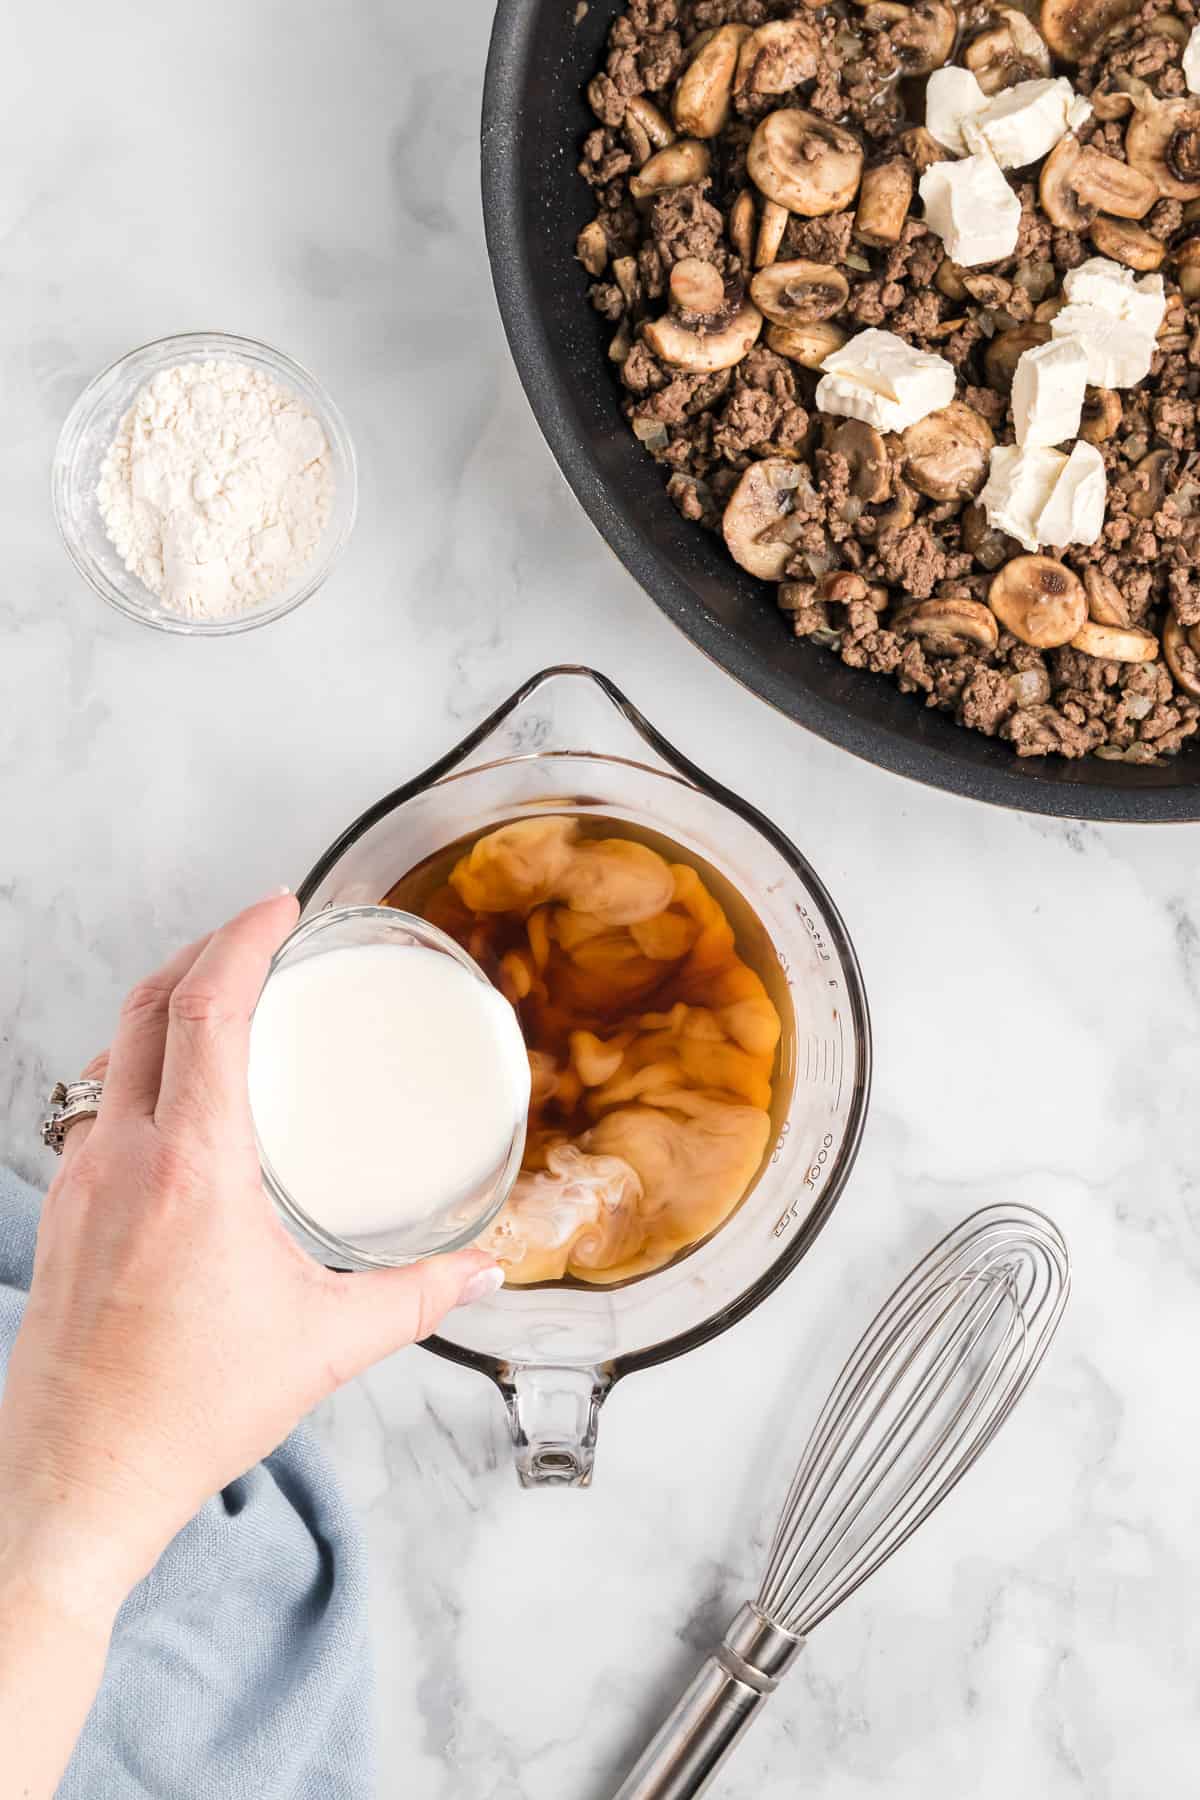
(925, 1389)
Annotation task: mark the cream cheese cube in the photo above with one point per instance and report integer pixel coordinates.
(1019, 485)
(1118, 353)
(1047, 392)
(952, 96)
(880, 379)
(972, 209)
(1022, 124)
(1191, 63)
(1116, 290)
(1074, 512)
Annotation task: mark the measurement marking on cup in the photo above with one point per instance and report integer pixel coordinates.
(812, 1175)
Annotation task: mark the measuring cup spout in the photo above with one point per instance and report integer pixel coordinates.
(553, 1414)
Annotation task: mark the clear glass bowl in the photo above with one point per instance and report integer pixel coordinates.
(447, 1227)
(90, 427)
(570, 742)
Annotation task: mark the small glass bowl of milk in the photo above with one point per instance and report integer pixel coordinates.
(389, 1086)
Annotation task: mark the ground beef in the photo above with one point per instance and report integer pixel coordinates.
(865, 548)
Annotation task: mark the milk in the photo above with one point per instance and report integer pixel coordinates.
(386, 1083)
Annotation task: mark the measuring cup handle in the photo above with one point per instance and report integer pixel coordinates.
(553, 1413)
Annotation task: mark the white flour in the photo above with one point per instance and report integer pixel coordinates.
(217, 488)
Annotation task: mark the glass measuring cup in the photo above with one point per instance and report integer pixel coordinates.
(570, 742)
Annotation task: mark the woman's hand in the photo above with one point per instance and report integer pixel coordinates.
(174, 1332)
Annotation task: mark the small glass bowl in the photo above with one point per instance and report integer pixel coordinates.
(454, 1224)
(92, 424)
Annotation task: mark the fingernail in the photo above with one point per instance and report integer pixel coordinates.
(482, 1283)
(275, 894)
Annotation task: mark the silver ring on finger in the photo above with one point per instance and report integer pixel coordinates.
(70, 1102)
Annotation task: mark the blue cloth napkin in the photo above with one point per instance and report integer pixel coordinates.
(239, 1668)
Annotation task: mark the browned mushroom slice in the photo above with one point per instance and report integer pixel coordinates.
(1106, 603)
(948, 625)
(1127, 243)
(1182, 654)
(1116, 643)
(946, 453)
(702, 97)
(807, 345)
(771, 227)
(1039, 600)
(741, 227)
(923, 37)
(884, 198)
(759, 525)
(866, 455)
(1103, 411)
(949, 281)
(988, 546)
(702, 351)
(653, 123)
(775, 58)
(677, 166)
(1187, 268)
(802, 162)
(1150, 477)
(696, 288)
(1074, 27)
(797, 293)
(896, 519)
(591, 247)
(1162, 141)
(1009, 51)
(1077, 183)
(1006, 349)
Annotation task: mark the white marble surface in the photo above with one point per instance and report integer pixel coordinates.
(306, 173)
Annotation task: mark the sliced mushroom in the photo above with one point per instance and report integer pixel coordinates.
(1046, 310)
(1077, 183)
(759, 525)
(696, 288)
(702, 97)
(1162, 141)
(1103, 411)
(807, 345)
(777, 57)
(591, 247)
(802, 162)
(655, 124)
(640, 147)
(948, 625)
(741, 227)
(1182, 654)
(1006, 349)
(1127, 243)
(898, 517)
(884, 198)
(1039, 600)
(923, 37)
(677, 166)
(1187, 268)
(946, 453)
(702, 351)
(625, 274)
(866, 454)
(921, 148)
(1151, 475)
(988, 546)
(797, 293)
(1106, 603)
(1116, 643)
(771, 227)
(1012, 50)
(949, 280)
(1074, 27)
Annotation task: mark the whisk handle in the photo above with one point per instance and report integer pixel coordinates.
(724, 1695)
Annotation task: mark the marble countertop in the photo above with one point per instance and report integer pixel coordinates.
(308, 175)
